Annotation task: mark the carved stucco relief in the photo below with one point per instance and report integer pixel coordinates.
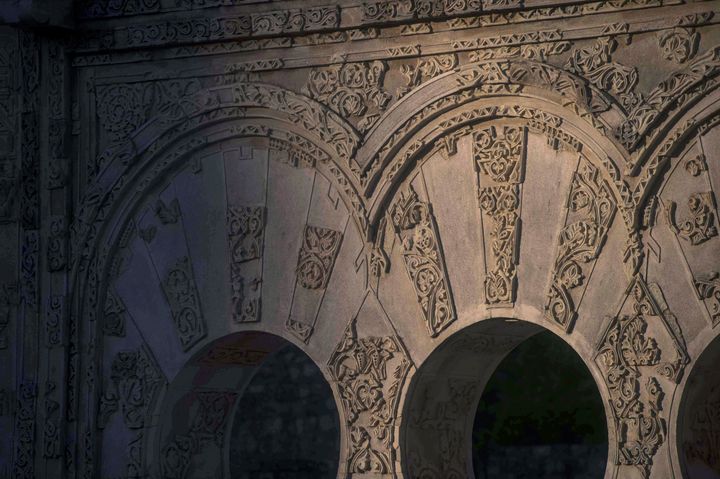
(642, 356)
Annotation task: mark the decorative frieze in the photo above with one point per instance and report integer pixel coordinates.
(368, 372)
(499, 160)
(424, 260)
(591, 208)
(135, 379)
(641, 350)
(182, 296)
(700, 223)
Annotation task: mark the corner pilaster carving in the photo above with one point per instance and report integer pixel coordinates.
(368, 372)
(499, 160)
(590, 211)
(641, 355)
(424, 260)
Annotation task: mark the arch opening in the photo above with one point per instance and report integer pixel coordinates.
(699, 421)
(504, 399)
(251, 404)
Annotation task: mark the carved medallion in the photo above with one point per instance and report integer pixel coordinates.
(424, 260)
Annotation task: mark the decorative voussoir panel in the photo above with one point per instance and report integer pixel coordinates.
(182, 296)
(499, 160)
(316, 260)
(245, 227)
(368, 372)
(416, 228)
(642, 357)
(135, 380)
(590, 211)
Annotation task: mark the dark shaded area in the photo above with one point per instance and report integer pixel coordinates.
(287, 425)
(540, 416)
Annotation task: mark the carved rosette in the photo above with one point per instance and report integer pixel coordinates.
(424, 260)
(633, 357)
(499, 158)
(353, 90)
(700, 225)
(135, 379)
(368, 372)
(182, 295)
(590, 211)
(679, 44)
(245, 226)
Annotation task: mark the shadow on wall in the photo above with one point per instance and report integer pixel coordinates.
(540, 416)
(286, 424)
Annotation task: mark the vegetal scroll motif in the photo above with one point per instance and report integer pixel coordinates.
(701, 224)
(368, 372)
(708, 289)
(634, 364)
(245, 230)
(182, 295)
(591, 208)
(499, 156)
(135, 379)
(317, 256)
(416, 228)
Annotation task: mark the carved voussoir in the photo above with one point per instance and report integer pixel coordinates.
(424, 260)
(182, 296)
(245, 232)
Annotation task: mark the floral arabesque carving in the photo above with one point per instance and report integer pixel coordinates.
(595, 64)
(135, 379)
(317, 255)
(591, 208)
(701, 224)
(424, 260)
(425, 69)
(182, 295)
(368, 372)
(353, 90)
(633, 365)
(245, 230)
(499, 156)
(122, 108)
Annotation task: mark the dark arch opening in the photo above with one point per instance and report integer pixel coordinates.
(540, 416)
(286, 424)
(249, 405)
(443, 399)
(699, 422)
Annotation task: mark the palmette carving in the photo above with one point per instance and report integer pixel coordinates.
(424, 260)
(182, 295)
(591, 208)
(701, 224)
(633, 366)
(317, 256)
(368, 372)
(499, 159)
(135, 379)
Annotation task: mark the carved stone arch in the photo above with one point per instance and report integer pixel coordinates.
(134, 167)
(475, 81)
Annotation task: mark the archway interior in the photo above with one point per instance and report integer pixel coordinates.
(437, 439)
(249, 405)
(540, 415)
(699, 425)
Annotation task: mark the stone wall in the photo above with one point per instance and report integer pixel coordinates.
(364, 180)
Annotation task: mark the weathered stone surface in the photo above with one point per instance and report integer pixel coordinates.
(188, 185)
